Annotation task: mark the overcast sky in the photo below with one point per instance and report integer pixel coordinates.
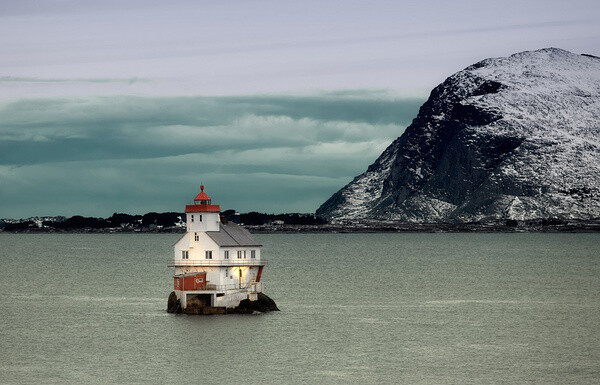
(128, 105)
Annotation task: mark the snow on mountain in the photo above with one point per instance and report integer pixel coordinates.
(506, 138)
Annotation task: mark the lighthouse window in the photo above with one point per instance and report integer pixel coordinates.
(226, 255)
(239, 253)
(192, 217)
(252, 253)
(244, 254)
(185, 254)
(199, 218)
(208, 254)
(196, 237)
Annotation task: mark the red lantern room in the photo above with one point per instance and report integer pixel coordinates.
(202, 204)
(202, 198)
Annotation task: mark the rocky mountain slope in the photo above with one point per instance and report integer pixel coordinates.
(506, 138)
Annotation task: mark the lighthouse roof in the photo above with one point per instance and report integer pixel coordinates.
(202, 204)
(202, 196)
(232, 235)
(202, 208)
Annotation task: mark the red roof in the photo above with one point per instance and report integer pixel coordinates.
(202, 196)
(202, 208)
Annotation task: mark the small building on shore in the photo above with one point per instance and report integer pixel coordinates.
(218, 265)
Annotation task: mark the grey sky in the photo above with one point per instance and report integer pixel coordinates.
(126, 105)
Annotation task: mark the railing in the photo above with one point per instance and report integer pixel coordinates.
(252, 286)
(216, 262)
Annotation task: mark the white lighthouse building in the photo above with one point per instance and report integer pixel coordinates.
(217, 264)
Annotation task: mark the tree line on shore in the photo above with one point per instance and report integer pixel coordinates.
(153, 220)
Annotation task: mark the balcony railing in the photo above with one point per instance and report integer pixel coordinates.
(247, 286)
(250, 286)
(216, 262)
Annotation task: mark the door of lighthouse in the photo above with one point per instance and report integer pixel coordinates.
(240, 270)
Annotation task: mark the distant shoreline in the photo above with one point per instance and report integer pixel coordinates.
(579, 227)
(388, 227)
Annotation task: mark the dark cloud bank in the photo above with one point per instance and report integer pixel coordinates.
(97, 155)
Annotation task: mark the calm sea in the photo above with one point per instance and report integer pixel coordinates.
(356, 308)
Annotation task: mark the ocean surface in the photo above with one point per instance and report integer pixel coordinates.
(355, 308)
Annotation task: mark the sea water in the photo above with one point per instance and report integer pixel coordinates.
(355, 308)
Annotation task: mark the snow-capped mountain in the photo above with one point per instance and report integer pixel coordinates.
(506, 138)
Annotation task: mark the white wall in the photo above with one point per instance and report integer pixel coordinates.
(209, 222)
(196, 249)
(233, 252)
(215, 275)
(181, 244)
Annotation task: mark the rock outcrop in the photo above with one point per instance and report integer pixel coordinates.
(173, 304)
(263, 304)
(513, 138)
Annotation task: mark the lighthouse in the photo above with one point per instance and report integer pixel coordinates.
(218, 265)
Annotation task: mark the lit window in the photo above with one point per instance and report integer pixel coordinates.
(196, 237)
(208, 254)
(252, 253)
(226, 254)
